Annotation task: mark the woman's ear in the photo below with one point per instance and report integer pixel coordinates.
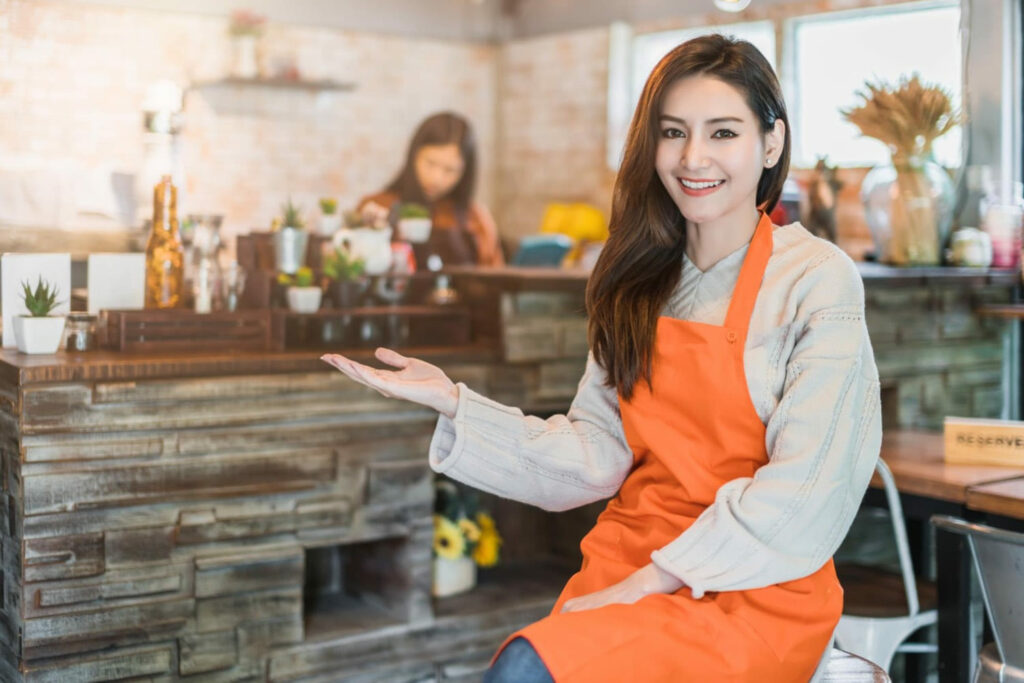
(774, 141)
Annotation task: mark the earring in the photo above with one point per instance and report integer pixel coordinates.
(768, 162)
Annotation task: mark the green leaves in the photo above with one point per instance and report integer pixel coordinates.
(412, 210)
(41, 300)
(291, 217)
(340, 266)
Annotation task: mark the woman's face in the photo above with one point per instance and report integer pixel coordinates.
(438, 169)
(711, 151)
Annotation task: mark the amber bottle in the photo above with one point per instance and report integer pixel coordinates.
(165, 257)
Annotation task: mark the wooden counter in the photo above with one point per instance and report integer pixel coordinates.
(166, 517)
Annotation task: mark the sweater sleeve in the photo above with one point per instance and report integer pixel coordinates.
(823, 440)
(556, 464)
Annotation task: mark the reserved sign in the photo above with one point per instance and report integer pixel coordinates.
(972, 441)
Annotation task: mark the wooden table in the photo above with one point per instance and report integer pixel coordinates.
(1003, 498)
(929, 486)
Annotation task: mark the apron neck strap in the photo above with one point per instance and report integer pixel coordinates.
(749, 281)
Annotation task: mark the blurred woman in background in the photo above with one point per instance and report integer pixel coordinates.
(440, 174)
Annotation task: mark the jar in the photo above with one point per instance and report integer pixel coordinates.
(80, 332)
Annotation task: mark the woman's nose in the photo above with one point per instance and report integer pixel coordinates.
(694, 154)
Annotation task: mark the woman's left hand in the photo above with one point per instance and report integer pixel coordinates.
(641, 583)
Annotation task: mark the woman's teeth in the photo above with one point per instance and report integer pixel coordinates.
(700, 186)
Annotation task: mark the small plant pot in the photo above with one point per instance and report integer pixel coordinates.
(348, 293)
(415, 230)
(329, 224)
(38, 334)
(453, 576)
(304, 299)
(290, 249)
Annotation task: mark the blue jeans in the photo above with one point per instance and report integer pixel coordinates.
(518, 663)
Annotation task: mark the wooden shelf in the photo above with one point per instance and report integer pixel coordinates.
(1009, 311)
(279, 83)
(507, 586)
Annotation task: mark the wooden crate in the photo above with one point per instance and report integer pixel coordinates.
(337, 329)
(183, 330)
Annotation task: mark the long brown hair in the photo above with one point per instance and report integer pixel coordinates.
(641, 262)
(440, 129)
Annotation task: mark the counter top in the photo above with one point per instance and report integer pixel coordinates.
(19, 369)
(516, 279)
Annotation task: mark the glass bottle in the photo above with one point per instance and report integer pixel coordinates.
(165, 257)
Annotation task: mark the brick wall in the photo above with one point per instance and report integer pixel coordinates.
(552, 115)
(73, 78)
(935, 356)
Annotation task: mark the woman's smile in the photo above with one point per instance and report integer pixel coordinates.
(699, 188)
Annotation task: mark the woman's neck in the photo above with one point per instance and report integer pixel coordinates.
(710, 242)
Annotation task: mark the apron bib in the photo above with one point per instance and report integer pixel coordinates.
(691, 431)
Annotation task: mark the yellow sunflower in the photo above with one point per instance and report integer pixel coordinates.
(485, 521)
(448, 540)
(469, 529)
(486, 552)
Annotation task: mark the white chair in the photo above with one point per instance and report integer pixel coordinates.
(881, 609)
(999, 561)
(844, 667)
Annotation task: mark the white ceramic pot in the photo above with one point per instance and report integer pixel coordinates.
(38, 334)
(415, 230)
(329, 224)
(304, 299)
(453, 576)
(370, 244)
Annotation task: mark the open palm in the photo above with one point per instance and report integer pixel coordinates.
(415, 380)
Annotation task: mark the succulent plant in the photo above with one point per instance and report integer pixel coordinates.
(303, 278)
(291, 217)
(41, 300)
(341, 266)
(328, 206)
(413, 210)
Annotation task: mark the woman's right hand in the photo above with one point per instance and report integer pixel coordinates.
(415, 380)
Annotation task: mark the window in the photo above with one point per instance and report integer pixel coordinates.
(833, 54)
(649, 48)
(633, 57)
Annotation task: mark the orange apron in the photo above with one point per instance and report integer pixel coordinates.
(690, 433)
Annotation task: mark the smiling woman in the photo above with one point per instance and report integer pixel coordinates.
(730, 407)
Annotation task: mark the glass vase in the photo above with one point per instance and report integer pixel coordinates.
(908, 205)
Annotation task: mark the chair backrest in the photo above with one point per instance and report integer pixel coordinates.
(899, 531)
(999, 560)
(844, 667)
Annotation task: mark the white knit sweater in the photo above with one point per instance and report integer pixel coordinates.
(813, 381)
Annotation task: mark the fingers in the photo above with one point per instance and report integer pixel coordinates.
(363, 374)
(392, 358)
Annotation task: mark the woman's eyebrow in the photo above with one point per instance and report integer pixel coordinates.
(720, 119)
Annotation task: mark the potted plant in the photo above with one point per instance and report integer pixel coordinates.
(368, 242)
(909, 202)
(414, 223)
(330, 219)
(38, 332)
(346, 275)
(465, 537)
(245, 30)
(290, 240)
(303, 295)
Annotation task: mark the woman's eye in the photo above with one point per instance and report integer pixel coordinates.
(724, 133)
(672, 133)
